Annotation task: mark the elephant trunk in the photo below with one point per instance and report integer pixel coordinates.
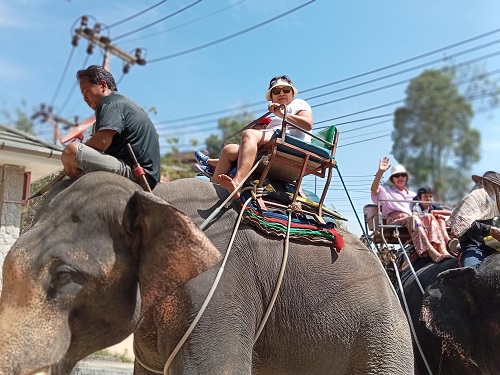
(29, 342)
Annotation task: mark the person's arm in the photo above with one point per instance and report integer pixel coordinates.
(383, 166)
(495, 233)
(101, 140)
(301, 118)
(478, 229)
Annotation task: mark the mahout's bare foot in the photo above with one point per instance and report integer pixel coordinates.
(229, 184)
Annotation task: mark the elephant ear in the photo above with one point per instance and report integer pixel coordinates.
(449, 305)
(170, 246)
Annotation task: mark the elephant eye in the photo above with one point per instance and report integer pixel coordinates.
(63, 282)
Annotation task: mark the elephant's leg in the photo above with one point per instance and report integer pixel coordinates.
(381, 350)
(215, 350)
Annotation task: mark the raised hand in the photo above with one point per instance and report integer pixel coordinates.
(384, 164)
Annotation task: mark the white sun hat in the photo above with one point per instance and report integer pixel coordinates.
(398, 169)
(279, 82)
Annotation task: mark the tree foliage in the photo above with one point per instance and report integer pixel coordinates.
(19, 118)
(173, 164)
(228, 126)
(432, 135)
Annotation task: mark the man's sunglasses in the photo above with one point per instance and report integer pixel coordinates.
(277, 90)
(397, 175)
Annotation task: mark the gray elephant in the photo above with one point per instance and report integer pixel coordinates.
(457, 318)
(104, 259)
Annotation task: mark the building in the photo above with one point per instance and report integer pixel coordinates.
(24, 159)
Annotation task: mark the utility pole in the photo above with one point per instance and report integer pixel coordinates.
(104, 42)
(46, 115)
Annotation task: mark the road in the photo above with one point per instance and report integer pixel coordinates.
(98, 366)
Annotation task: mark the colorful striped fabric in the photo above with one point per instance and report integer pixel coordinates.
(305, 231)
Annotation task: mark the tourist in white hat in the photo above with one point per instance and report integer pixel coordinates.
(425, 233)
(281, 94)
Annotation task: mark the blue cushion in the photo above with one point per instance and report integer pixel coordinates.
(320, 151)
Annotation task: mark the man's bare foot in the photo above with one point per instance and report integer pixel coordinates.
(229, 184)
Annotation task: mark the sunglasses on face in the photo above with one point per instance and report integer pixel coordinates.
(398, 175)
(277, 90)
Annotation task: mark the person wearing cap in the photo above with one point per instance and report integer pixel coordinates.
(472, 219)
(395, 204)
(281, 94)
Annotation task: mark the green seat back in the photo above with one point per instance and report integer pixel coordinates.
(327, 134)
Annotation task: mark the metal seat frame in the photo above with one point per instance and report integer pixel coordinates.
(289, 163)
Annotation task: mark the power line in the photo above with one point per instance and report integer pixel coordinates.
(418, 57)
(187, 23)
(73, 87)
(136, 15)
(157, 21)
(194, 126)
(260, 103)
(230, 36)
(63, 75)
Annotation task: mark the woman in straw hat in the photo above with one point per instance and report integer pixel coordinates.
(471, 220)
(281, 94)
(425, 233)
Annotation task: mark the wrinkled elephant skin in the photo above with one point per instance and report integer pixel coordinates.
(105, 259)
(460, 312)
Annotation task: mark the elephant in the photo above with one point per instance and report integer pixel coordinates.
(105, 259)
(457, 317)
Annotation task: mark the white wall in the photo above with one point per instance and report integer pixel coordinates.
(11, 192)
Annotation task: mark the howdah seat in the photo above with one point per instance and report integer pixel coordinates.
(289, 159)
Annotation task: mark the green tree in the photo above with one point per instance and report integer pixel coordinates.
(173, 165)
(227, 126)
(432, 135)
(19, 119)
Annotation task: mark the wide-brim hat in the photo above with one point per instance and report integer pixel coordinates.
(490, 176)
(398, 169)
(280, 82)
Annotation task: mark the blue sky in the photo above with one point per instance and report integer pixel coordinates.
(322, 43)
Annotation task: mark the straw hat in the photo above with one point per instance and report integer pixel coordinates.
(490, 176)
(279, 82)
(398, 169)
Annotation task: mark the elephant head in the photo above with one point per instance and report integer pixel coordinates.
(462, 308)
(76, 273)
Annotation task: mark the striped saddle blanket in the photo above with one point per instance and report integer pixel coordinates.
(301, 229)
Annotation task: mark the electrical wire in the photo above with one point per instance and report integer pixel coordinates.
(261, 103)
(136, 15)
(63, 75)
(193, 126)
(73, 87)
(186, 23)
(230, 36)
(157, 21)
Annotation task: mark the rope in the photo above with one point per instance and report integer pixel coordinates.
(210, 294)
(370, 245)
(354, 210)
(280, 279)
(407, 309)
(223, 204)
